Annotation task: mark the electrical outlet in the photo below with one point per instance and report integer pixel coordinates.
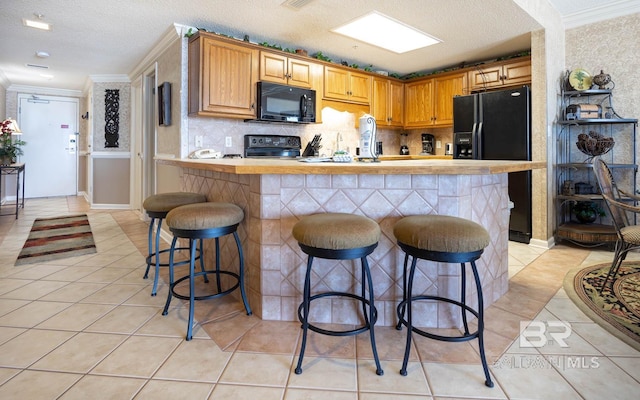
(438, 144)
(198, 141)
(228, 142)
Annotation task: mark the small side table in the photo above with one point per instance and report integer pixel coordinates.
(17, 170)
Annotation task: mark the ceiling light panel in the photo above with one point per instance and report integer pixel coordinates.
(382, 31)
(36, 24)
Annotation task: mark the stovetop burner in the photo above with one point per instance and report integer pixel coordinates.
(274, 146)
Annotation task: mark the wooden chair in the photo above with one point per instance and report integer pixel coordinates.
(619, 204)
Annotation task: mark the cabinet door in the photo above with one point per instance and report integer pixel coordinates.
(273, 67)
(229, 75)
(380, 101)
(484, 78)
(444, 90)
(360, 87)
(299, 73)
(418, 105)
(516, 73)
(336, 83)
(342, 84)
(396, 103)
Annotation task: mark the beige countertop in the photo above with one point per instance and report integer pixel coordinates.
(394, 166)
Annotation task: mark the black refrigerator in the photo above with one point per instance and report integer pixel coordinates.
(497, 126)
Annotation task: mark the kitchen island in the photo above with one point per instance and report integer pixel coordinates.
(275, 193)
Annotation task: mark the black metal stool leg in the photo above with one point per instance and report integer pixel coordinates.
(305, 313)
(463, 298)
(192, 286)
(218, 282)
(149, 248)
(171, 283)
(371, 319)
(407, 349)
(483, 357)
(201, 255)
(243, 293)
(157, 258)
(403, 303)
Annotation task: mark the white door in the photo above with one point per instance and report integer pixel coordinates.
(49, 125)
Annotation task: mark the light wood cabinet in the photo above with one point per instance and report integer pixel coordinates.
(387, 104)
(343, 84)
(429, 102)
(418, 100)
(499, 75)
(285, 70)
(222, 77)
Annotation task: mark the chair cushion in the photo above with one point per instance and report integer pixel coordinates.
(204, 216)
(441, 233)
(631, 234)
(165, 202)
(336, 231)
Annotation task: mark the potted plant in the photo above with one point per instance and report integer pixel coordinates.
(587, 211)
(10, 148)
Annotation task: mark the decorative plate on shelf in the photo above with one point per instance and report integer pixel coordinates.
(580, 79)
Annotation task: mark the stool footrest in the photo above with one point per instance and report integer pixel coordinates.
(209, 296)
(463, 338)
(151, 257)
(349, 332)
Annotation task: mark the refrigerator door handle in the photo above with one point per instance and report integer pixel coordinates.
(477, 145)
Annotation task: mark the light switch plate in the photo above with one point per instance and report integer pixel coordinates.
(438, 144)
(198, 141)
(228, 142)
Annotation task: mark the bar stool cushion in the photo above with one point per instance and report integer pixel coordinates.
(165, 202)
(336, 231)
(441, 233)
(204, 216)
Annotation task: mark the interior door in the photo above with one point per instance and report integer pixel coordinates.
(50, 128)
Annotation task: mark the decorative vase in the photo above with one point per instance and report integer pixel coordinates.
(601, 80)
(586, 212)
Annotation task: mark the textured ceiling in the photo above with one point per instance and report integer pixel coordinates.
(97, 37)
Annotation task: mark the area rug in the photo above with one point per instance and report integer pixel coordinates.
(56, 238)
(617, 308)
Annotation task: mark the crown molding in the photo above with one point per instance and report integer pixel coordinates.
(173, 33)
(611, 10)
(45, 91)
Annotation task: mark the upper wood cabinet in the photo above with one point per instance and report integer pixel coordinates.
(281, 69)
(222, 77)
(429, 102)
(346, 85)
(503, 74)
(387, 104)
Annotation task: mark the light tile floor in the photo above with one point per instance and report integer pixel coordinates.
(87, 328)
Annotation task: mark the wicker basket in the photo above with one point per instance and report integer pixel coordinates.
(594, 144)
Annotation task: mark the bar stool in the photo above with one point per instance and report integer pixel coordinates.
(338, 236)
(205, 221)
(157, 207)
(441, 239)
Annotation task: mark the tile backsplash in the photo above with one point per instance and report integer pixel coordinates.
(215, 130)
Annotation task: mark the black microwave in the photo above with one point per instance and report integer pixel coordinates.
(282, 103)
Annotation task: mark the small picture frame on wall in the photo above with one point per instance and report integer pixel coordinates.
(164, 104)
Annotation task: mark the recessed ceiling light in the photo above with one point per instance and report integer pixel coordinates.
(48, 76)
(42, 54)
(36, 24)
(382, 31)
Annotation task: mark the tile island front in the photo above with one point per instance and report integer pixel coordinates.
(275, 193)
